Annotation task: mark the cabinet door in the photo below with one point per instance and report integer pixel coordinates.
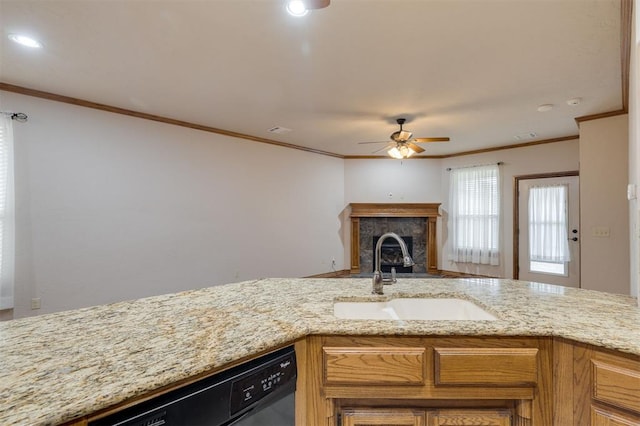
(461, 417)
(615, 383)
(604, 417)
(382, 417)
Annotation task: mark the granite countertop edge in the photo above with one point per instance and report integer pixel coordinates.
(65, 365)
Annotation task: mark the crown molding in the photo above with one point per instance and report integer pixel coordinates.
(475, 151)
(117, 110)
(600, 115)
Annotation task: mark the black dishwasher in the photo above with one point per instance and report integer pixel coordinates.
(258, 392)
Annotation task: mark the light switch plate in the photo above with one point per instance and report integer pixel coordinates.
(601, 231)
(35, 303)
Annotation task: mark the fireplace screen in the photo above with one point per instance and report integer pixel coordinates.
(391, 254)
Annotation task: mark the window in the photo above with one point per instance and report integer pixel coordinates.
(548, 229)
(6, 212)
(474, 224)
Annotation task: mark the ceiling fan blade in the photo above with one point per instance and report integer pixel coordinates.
(316, 4)
(421, 140)
(415, 147)
(388, 146)
(362, 143)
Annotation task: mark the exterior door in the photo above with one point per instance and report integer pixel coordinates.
(559, 273)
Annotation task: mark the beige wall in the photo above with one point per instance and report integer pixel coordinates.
(604, 165)
(110, 207)
(547, 158)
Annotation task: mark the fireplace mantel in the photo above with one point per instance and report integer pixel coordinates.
(395, 210)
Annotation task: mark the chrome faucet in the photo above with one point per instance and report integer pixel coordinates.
(378, 279)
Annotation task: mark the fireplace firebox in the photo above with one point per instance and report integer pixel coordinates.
(391, 254)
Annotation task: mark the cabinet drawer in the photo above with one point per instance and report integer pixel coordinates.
(383, 417)
(376, 366)
(469, 417)
(616, 385)
(486, 366)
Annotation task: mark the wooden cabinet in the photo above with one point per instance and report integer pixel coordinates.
(604, 417)
(595, 387)
(486, 366)
(615, 390)
(615, 382)
(434, 381)
(418, 417)
(469, 418)
(374, 366)
(382, 417)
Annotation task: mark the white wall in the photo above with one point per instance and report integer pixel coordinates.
(604, 165)
(634, 153)
(392, 181)
(110, 207)
(427, 181)
(389, 181)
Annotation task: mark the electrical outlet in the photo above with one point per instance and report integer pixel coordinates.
(632, 191)
(35, 303)
(601, 231)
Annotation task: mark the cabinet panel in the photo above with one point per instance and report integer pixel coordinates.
(616, 385)
(383, 417)
(469, 418)
(380, 365)
(486, 366)
(601, 417)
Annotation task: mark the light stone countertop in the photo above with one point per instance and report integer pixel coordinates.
(57, 367)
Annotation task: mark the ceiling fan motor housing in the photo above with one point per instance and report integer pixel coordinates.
(401, 136)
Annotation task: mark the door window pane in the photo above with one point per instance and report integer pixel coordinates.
(548, 233)
(559, 268)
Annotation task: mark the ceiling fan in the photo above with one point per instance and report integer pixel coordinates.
(403, 143)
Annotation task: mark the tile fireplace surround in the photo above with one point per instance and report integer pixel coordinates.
(407, 219)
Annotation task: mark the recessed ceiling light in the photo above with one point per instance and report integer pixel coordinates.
(545, 107)
(297, 8)
(25, 41)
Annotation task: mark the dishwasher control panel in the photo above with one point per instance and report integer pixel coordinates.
(252, 388)
(221, 399)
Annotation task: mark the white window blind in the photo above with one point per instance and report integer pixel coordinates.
(474, 224)
(548, 228)
(6, 212)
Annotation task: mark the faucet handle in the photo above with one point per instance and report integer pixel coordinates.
(393, 275)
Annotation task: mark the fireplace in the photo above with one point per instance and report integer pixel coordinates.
(417, 221)
(391, 254)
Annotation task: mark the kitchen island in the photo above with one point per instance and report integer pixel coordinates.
(58, 367)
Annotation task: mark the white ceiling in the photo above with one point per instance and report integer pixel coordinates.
(473, 70)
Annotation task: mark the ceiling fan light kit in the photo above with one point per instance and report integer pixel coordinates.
(403, 143)
(400, 152)
(300, 8)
